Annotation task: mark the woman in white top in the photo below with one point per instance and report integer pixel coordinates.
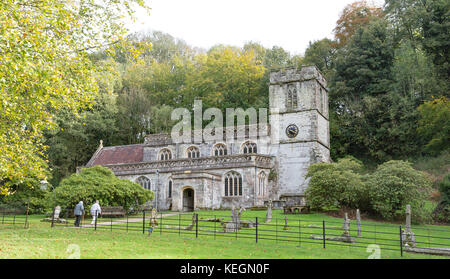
(95, 210)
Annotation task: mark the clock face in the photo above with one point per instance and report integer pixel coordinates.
(292, 131)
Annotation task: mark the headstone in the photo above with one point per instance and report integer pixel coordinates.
(55, 216)
(346, 225)
(285, 224)
(269, 212)
(408, 237)
(57, 212)
(194, 221)
(153, 218)
(408, 218)
(358, 222)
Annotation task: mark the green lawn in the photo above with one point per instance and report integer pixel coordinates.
(41, 241)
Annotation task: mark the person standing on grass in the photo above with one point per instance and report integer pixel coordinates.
(78, 211)
(95, 211)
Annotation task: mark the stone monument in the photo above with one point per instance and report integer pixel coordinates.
(269, 212)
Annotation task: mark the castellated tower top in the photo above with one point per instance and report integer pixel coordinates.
(295, 90)
(293, 74)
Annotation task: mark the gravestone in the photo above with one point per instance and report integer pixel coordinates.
(57, 212)
(358, 222)
(408, 237)
(194, 221)
(285, 224)
(346, 226)
(269, 212)
(55, 216)
(153, 218)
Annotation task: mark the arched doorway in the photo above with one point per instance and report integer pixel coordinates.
(188, 199)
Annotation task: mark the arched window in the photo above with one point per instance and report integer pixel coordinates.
(249, 147)
(261, 183)
(193, 152)
(170, 189)
(233, 184)
(291, 101)
(165, 154)
(220, 150)
(145, 182)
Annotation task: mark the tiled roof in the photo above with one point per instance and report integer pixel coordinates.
(118, 155)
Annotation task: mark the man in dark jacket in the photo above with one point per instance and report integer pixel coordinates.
(78, 211)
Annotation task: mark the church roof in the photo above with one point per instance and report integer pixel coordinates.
(124, 154)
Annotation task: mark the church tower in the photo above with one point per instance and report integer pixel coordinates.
(298, 104)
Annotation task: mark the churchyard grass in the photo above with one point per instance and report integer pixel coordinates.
(41, 241)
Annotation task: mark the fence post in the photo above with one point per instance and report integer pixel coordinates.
(196, 225)
(236, 228)
(127, 222)
(179, 224)
(160, 223)
(143, 222)
(299, 233)
(96, 217)
(26, 217)
(401, 242)
(215, 227)
(276, 230)
(53, 217)
(3, 218)
(111, 223)
(323, 226)
(14, 220)
(256, 235)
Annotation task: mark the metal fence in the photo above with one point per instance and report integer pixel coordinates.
(293, 231)
(290, 231)
(14, 217)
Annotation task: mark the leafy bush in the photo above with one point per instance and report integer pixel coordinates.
(394, 185)
(336, 184)
(100, 183)
(442, 211)
(444, 188)
(24, 196)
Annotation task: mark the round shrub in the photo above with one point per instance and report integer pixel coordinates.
(442, 211)
(100, 183)
(334, 185)
(395, 184)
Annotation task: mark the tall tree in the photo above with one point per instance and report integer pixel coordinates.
(358, 90)
(424, 23)
(353, 17)
(44, 67)
(321, 54)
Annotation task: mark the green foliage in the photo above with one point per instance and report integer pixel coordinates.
(76, 138)
(45, 67)
(442, 211)
(444, 188)
(100, 183)
(321, 54)
(23, 196)
(335, 184)
(394, 185)
(434, 124)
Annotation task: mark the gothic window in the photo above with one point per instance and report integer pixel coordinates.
(193, 152)
(165, 154)
(249, 147)
(145, 182)
(261, 183)
(291, 102)
(220, 150)
(233, 184)
(170, 189)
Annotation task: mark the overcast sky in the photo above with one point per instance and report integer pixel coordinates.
(291, 24)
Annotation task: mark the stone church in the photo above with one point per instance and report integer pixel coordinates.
(246, 172)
